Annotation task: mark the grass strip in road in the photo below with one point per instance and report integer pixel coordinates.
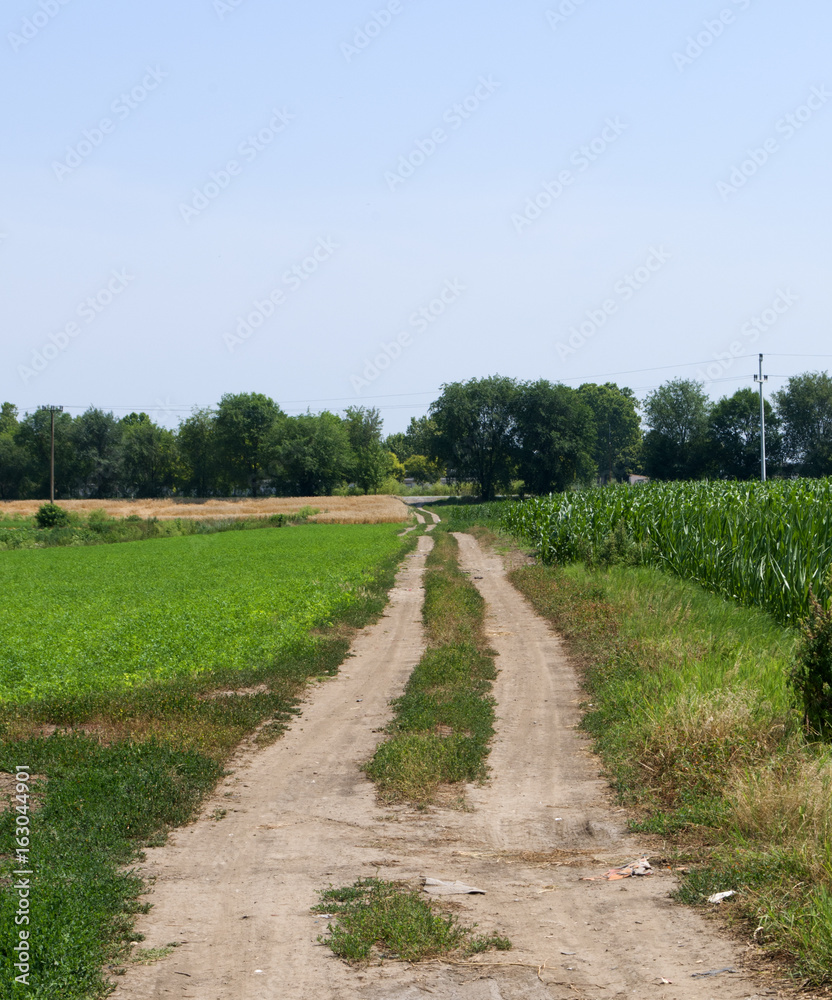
(392, 920)
(125, 766)
(689, 704)
(444, 721)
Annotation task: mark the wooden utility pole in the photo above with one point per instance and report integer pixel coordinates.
(52, 411)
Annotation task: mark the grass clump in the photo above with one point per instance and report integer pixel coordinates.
(391, 920)
(444, 721)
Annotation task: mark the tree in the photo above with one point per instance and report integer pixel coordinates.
(371, 462)
(12, 456)
(476, 431)
(149, 456)
(734, 436)
(33, 437)
(197, 443)
(805, 408)
(423, 469)
(243, 426)
(310, 454)
(98, 454)
(556, 436)
(675, 447)
(616, 449)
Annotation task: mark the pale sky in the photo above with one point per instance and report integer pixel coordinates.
(352, 203)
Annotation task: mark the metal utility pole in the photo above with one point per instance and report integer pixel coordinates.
(52, 411)
(762, 379)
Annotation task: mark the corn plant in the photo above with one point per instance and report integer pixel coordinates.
(764, 544)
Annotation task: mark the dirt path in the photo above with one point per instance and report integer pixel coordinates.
(236, 893)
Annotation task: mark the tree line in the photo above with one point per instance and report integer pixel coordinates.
(497, 433)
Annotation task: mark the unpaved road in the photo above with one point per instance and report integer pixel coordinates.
(235, 894)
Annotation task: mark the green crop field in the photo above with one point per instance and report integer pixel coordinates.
(112, 617)
(764, 544)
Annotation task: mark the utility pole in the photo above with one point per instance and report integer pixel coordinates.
(762, 379)
(52, 411)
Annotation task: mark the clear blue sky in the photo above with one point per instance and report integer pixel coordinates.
(175, 161)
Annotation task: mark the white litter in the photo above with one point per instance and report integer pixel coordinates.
(719, 896)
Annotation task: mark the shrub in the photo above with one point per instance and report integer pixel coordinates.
(811, 676)
(50, 515)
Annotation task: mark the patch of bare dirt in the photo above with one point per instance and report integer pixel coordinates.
(9, 792)
(331, 510)
(236, 894)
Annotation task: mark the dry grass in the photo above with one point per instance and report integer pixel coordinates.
(331, 510)
(789, 804)
(701, 741)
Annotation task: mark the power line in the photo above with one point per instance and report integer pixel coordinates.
(359, 400)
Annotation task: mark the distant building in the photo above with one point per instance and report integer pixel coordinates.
(639, 479)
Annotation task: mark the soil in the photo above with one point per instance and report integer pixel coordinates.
(332, 510)
(235, 894)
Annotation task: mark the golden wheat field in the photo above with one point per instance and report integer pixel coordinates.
(331, 510)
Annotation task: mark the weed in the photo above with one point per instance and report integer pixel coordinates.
(394, 921)
(811, 675)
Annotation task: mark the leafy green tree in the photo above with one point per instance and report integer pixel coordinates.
(617, 446)
(149, 457)
(98, 454)
(8, 418)
(12, 456)
(243, 426)
(423, 469)
(734, 435)
(676, 446)
(33, 437)
(805, 408)
(556, 436)
(310, 454)
(371, 463)
(476, 431)
(197, 443)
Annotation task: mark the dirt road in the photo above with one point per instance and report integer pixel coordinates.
(235, 893)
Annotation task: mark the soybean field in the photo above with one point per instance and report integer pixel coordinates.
(77, 620)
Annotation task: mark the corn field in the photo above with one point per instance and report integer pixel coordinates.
(765, 544)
